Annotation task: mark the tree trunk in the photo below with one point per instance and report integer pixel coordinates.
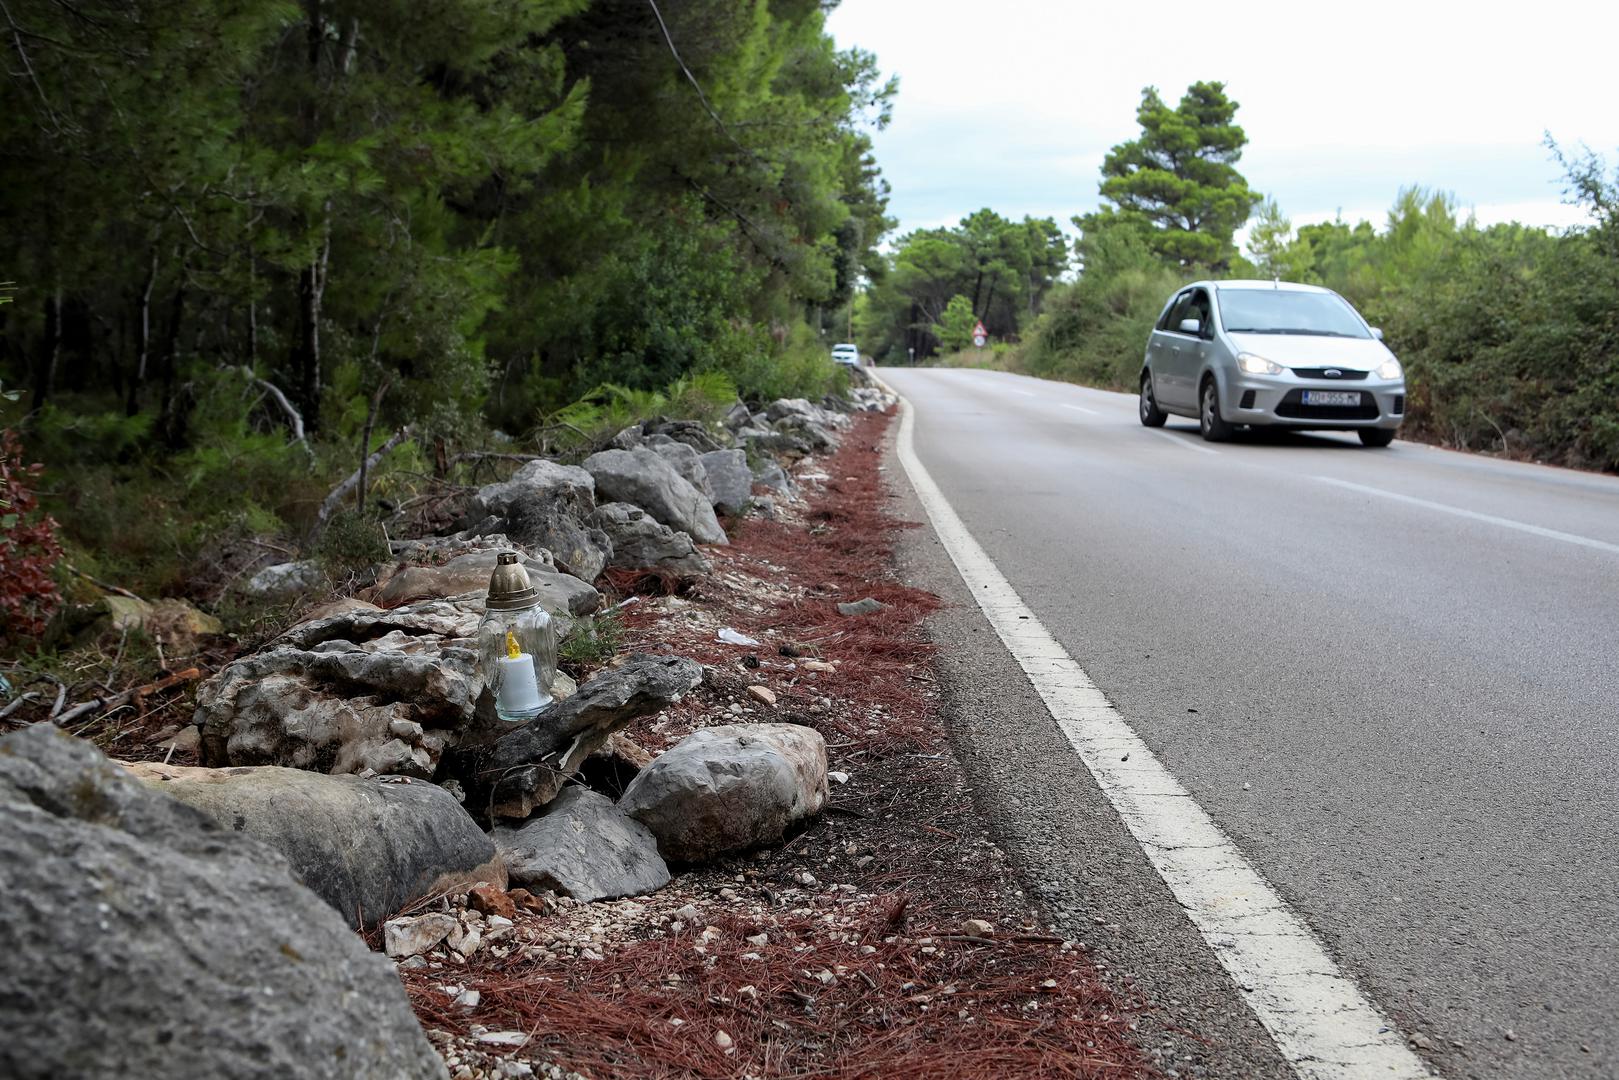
(253, 314)
(143, 340)
(169, 421)
(365, 441)
(50, 351)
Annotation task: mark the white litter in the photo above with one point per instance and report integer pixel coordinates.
(733, 637)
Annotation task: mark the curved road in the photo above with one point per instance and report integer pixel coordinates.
(1391, 676)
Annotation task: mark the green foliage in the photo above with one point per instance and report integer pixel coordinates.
(766, 366)
(1180, 176)
(1277, 253)
(236, 220)
(1004, 270)
(956, 324)
(1095, 330)
(351, 544)
(592, 641)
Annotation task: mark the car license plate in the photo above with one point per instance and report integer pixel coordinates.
(1332, 397)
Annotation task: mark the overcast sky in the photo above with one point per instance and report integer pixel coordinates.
(1012, 104)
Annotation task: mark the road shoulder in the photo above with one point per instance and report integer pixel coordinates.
(1078, 862)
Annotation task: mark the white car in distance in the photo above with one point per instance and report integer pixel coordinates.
(846, 354)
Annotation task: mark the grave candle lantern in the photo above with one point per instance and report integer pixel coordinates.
(517, 643)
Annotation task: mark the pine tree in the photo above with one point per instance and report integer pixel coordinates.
(1180, 177)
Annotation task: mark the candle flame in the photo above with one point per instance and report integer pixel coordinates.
(512, 651)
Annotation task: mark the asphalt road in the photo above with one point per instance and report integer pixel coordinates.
(1391, 676)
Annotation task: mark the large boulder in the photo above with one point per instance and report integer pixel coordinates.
(691, 432)
(584, 847)
(333, 694)
(769, 474)
(287, 580)
(685, 460)
(526, 768)
(548, 505)
(640, 543)
(643, 478)
(176, 624)
(730, 788)
(560, 594)
(367, 848)
(800, 408)
(143, 940)
(730, 482)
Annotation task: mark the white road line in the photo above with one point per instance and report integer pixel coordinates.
(1321, 1022)
(1489, 519)
(1185, 444)
(1080, 408)
(1025, 393)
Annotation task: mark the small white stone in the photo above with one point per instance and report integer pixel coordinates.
(503, 1038)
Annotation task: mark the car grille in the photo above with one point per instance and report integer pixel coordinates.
(1321, 373)
(1293, 408)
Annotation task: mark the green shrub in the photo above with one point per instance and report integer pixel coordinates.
(351, 544)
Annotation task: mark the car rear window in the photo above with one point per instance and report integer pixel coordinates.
(1282, 311)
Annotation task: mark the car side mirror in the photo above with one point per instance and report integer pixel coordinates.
(1377, 332)
(1190, 326)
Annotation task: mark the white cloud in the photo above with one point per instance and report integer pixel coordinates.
(1013, 105)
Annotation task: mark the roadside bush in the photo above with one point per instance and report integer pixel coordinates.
(765, 369)
(29, 550)
(351, 544)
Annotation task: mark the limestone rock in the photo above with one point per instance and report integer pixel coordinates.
(367, 848)
(438, 550)
(691, 432)
(771, 475)
(286, 580)
(583, 847)
(408, 937)
(684, 460)
(640, 543)
(643, 478)
(526, 768)
(560, 594)
(336, 607)
(730, 482)
(726, 789)
(176, 623)
(325, 694)
(548, 505)
(142, 940)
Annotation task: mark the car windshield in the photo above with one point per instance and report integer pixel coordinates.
(1283, 311)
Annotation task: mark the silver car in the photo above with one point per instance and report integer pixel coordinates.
(1270, 354)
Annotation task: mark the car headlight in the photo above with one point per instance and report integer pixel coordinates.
(1257, 365)
(1390, 369)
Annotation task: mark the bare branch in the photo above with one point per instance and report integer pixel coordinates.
(342, 491)
(295, 419)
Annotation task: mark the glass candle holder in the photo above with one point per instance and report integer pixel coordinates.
(517, 643)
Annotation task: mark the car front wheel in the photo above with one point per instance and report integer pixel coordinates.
(1151, 414)
(1376, 436)
(1210, 422)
